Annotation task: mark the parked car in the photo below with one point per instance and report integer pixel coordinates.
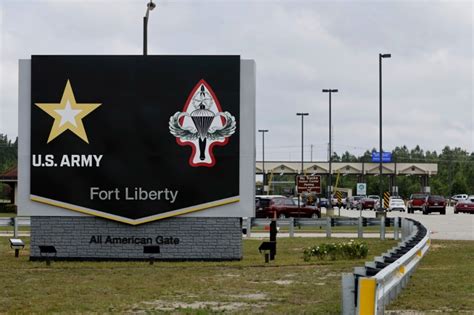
(353, 202)
(323, 203)
(459, 197)
(434, 203)
(335, 202)
(416, 202)
(396, 204)
(286, 207)
(466, 206)
(263, 201)
(366, 203)
(377, 200)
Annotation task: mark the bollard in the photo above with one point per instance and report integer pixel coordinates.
(395, 228)
(292, 227)
(273, 238)
(249, 226)
(360, 232)
(382, 228)
(328, 227)
(15, 227)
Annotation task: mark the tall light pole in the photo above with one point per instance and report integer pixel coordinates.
(149, 6)
(302, 146)
(263, 156)
(330, 91)
(381, 56)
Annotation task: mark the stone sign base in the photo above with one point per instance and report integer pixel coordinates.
(92, 238)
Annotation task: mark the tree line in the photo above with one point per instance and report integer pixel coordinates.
(8, 158)
(455, 170)
(8, 153)
(455, 173)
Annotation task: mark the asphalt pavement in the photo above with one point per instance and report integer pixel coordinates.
(444, 227)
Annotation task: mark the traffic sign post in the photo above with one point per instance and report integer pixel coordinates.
(308, 184)
(361, 189)
(386, 157)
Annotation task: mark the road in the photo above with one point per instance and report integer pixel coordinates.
(445, 227)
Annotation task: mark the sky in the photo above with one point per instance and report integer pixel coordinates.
(300, 48)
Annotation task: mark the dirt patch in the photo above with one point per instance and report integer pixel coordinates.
(435, 247)
(251, 296)
(283, 282)
(404, 312)
(430, 312)
(159, 305)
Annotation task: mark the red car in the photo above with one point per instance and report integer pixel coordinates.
(416, 202)
(434, 203)
(286, 207)
(465, 206)
(366, 203)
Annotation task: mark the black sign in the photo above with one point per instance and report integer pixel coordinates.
(135, 138)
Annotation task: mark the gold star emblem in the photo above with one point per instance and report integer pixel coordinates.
(68, 114)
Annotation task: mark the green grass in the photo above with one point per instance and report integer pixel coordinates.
(289, 285)
(443, 282)
(7, 214)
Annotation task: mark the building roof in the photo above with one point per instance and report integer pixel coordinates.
(10, 175)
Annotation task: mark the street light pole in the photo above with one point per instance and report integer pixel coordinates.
(263, 157)
(381, 56)
(302, 145)
(330, 91)
(149, 6)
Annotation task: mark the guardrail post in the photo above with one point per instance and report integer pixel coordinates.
(15, 227)
(404, 229)
(328, 227)
(249, 226)
(292, 227)
(348, 294)
(382, 228)
(360, 231)
(395, 228)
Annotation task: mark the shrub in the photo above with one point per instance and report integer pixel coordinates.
(10, 208)
(345, 250)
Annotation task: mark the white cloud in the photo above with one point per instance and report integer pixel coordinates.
(300, 47)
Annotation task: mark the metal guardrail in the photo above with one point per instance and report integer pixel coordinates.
(327, 223)
(15, 222)
(369, 289)
(21, 221)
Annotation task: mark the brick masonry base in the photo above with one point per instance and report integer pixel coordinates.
(179, 238)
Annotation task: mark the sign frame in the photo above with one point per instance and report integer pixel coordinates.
(308, 184)
(243, 207)
(361, 189)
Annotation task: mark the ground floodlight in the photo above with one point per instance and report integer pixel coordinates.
(16, 244)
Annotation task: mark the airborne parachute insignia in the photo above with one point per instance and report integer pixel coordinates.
(201, 127)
